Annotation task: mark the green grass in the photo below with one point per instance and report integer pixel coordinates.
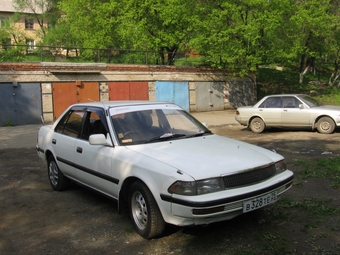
(321, 168)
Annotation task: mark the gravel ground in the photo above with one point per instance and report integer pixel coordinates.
(38, 220)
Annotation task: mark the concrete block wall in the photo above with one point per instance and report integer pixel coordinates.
(48, 73)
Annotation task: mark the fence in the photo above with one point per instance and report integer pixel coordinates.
(29, 53)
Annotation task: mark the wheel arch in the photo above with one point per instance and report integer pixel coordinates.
(124, 192)
(319, 117)
(252, 117)
(48, 153)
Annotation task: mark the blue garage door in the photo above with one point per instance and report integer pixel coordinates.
(175, 92)
(20, 104)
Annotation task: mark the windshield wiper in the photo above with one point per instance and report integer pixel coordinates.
(200, 133)
(164, 137)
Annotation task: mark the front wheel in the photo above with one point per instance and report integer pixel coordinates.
(325, 125)
(57, 180)
(257, 125)
(145, 214)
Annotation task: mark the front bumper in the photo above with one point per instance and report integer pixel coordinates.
(197, 212)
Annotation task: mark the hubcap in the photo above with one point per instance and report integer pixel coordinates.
(53, 173)
(325, 125)
(139, 210)
(257, 125)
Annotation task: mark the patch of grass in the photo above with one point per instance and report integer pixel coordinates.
(321, 168)
(312, 206)
(267, 243)
(9, 123)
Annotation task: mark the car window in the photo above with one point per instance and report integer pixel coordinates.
(70, 124)
(144, 125)
(290, 102)
(94, 124)
(272, 102)
(310, 101)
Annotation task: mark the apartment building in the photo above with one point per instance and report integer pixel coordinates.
(19, 26)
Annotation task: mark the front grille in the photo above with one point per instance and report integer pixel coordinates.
(249, 177)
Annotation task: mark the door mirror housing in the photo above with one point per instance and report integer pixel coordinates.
(98, 139)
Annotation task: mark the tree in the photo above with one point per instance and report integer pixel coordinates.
(306, 28)
(234, 34)
(41, 10)
(164, 26)
(92, 22)
(334, 41)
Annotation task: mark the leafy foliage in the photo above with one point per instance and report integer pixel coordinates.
(233, 35)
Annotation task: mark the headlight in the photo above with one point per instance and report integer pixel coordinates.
(197, 188)
(280, 167)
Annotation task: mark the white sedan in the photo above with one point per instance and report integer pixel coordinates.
(162, 164)
(289, 110)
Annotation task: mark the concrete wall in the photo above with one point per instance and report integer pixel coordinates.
(48, 73)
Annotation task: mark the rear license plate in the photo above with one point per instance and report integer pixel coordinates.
(259, 202)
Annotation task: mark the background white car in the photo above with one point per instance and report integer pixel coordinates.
(289, 110)
(162, 164)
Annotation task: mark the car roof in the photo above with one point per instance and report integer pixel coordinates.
(284, 95)
(108, 104)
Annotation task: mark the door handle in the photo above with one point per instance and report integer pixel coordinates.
(54, 141)
(79, 149)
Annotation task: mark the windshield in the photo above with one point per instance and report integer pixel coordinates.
(154, 125)
(311, 102)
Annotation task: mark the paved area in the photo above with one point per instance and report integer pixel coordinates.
(25, 136)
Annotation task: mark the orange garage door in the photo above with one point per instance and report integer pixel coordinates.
(65, 94)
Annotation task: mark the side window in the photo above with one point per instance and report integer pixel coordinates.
(70, 124)
(290, 102)
(93, 125)
(271, 102)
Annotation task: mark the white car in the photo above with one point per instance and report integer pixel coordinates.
(289, 110)
(162, 164)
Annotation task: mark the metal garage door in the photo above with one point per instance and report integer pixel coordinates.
(242, 93)
(65, 94)
(209, 96)
(133, 90)
(20, 104)
(175, 92)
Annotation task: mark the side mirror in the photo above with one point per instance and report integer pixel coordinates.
(205, 124)
(98, 139)
(301, 106)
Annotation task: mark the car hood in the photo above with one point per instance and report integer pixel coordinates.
(328, 107)
(208, 156)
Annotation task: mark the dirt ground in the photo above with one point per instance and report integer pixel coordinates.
(37, 220)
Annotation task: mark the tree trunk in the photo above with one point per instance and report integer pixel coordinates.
(335, 74)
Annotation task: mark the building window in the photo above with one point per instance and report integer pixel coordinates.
(30, 45)
(29, 23)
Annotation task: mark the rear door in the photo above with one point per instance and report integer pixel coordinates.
(270, 111)
(64, 139)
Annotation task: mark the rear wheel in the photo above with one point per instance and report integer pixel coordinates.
(325, 125)
(57, 180)
(257, 125)
(145, 214)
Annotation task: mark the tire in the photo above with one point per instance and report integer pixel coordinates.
(257, 125)
(144, 212)
(57, 180)
(325, 125)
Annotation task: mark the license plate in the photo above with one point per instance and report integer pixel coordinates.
(259, 202)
